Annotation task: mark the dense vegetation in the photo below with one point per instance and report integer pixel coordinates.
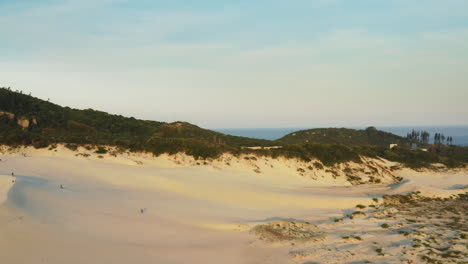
(331, 154)
(50, 123)
(344, 136)
(26, 120)
(450, 155)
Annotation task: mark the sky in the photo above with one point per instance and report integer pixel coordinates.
(244, 63)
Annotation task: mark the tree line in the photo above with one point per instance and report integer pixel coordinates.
(423, 137)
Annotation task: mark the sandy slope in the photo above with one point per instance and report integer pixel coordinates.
(198, 213)
(6, 182)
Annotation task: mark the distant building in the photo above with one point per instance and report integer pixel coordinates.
(393, 145)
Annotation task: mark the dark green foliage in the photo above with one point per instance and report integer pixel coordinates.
(332, 154)
(344, 136)
(328, 154)
(318, 165)
(452, 156)
(418, 137)
(56, 124)
(71, 146)
(51, 124)
(101, 150)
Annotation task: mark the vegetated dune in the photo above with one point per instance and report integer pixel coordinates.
(345, 136)
(29, 121)
(403, 229)
(136, 208)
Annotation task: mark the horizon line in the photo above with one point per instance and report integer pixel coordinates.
(311, 127)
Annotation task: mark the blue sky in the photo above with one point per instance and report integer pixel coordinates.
(244, 63)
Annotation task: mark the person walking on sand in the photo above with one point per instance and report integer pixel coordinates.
(61, 186)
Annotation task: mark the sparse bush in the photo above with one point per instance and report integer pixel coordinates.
(318, 165)
(71, 146)
(101, 150)
(353, 178)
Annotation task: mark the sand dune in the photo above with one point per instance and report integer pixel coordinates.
(198, 213)
(6, 182)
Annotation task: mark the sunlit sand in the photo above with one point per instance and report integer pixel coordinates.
(135, 208)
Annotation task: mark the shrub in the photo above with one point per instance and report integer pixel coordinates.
(101, 150)
(71, 146)
(318, 165)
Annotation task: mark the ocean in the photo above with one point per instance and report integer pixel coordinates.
(459, 133)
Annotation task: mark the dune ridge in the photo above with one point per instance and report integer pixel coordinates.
(122, 207)
(6, 182)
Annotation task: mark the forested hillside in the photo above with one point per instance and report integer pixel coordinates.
(26, 120)
(30, 121)
(345, 136)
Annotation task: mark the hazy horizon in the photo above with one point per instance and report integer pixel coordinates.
(458, 133)
(244, 64)
(354, 127)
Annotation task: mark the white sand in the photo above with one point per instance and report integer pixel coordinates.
(192, 213)
(6, 182)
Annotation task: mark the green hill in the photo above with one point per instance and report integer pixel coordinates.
(344, 136)
(26, 120)
(30, 121)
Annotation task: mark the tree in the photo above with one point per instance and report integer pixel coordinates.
(425, 137)
(450, 140)
(414, 136)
